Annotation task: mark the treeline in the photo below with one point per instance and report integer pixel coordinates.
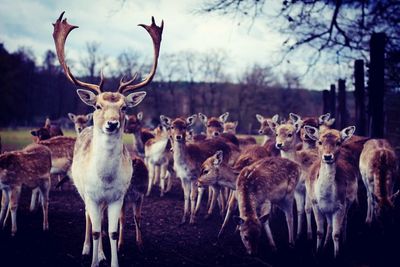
(29, 93)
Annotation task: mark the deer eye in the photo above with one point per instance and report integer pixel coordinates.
(246, 237)
(123, 109)
(290, 135)
(172, 127)
(98, 107)
(205, 171)
(320, 143)
(276, 134)
(338, 143)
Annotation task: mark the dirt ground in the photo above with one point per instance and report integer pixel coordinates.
(168, 244)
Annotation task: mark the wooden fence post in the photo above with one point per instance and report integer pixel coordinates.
(325, 101)
(359, 94)
(376, 85)
(342, 107)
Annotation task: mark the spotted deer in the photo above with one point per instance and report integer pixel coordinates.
(188, 158)
(158, 158)
(332, 185)
(30, 167)
(378, 166)
(215, 127)
(80, 121)
(287, 140)
(46, 132)
(268, 181)
(134, 126)
(230, 127)
(102, 166)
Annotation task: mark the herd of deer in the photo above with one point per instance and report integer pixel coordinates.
(302, 161)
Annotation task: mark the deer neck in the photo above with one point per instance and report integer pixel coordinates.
(138, 142)
(247, 204)
(266, 139)
(180, 153)
(327, 173)
(289, 154)
(107, 150)
(227, 177)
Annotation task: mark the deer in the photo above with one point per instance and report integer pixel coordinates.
(378, 167)
(287, 140)
(30, 167)
(215, 127)
(134, 126)
(332, 185)
(46, 132)
(158, 158)
(271, 180)
(80, 121)
(102, 166)
(188, 158)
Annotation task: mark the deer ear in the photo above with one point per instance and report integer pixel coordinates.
(298, 125)
(89, 116)
(140, 115)
(272, 124)
(347, 132)
(275, 118)
(264, 218)
(218, 157)
(34, 133)
(324, 118)
(71, 117)
(329, 122)
(190, 120)
(166, 121)
(203, 118)
(223, 118)
(294, 118)
(235, 123)
(134, 99)
(88, 97)
(312, 132)
(238, 220)
(260, 118)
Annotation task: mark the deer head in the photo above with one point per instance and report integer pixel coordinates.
(109, 116)
(80, 121)
(178, 127)
(264, 125)
(330, 141)
(134, 123)
(286, 134)
(214, 126)
(250, 232)
(210, 170)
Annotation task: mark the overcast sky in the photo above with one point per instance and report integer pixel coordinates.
(113, 24)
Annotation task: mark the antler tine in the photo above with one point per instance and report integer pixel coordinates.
(123, 84)
(61, 30)
(155, 34)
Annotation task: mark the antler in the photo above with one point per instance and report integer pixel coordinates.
(60, 34)
(155, 34)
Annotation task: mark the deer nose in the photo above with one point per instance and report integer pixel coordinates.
(279, 145)
(216, 133)
(328, 157)
(178, 137)
(112, 125)
(79, 130)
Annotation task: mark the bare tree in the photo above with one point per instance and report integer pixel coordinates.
(93, 61)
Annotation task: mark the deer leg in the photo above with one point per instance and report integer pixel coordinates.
(222, 200)
(300, 203)
(215, 196)
(151, 178)
(337, 228)
(88, 231)
(231, 207)
(193, 199)
(266, 209)
(308, 209)
(156, 174)
(114, 211)
(199, 198)
(44, 194)
(186, 193)
(210, 193)
(5, 201)
(14, 198)
(163, 178)
(95, 213)
(319, 220)
(169, 181)
(34, 199)
(344, 224)
(122, 220)
(288, 210)
(137, 216)
(328, 234)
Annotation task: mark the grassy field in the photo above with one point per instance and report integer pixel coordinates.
(13, 139)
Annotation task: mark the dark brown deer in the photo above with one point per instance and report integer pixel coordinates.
(134, 126)
(102, 166)
(46, 132)
(80, 121)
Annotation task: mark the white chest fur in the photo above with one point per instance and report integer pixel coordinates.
(326, 190)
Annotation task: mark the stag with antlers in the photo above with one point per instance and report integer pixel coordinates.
(102, 166)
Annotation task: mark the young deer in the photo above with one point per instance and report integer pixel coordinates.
(46, 132)
(332, 186)
(287, 140)
(102, 166)
(158, 158)
(230, 128)
(268, 181)
(134, 126)
(215, 127)
(30, 167)
(80, 121)
(378, 166)
(188, 159)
